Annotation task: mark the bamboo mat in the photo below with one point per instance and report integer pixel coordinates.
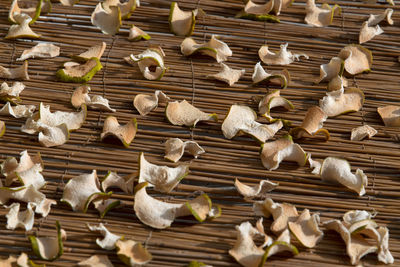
(224, 160)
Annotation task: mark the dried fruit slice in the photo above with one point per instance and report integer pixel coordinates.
(109, 239)
(112, 179)
(357, 59)
(11, 93)
(314, 164)
(213, 48)
(242, 119)
(132, 253)
(22, 193)
(260, 75)
(283, 149)
(320, 17)
(144, 103)
(312, 124)
(175, 147)
(44, 206)
(21, 29)
(283, 57)
(386, 15)
(50, 136)
(306, 229)
(257, 191)
(15, 73)
(359, 133)
(163, 178)
(105, 205)
(20, 219)
(338, 170)
(149, 59)
(41, 50)
(127, 6)
(23, 260)
(200, 208)
(329, 71)
(125, 133)
(260, 12)
(96, 261)
(183, 113)
(181, 22)
(270, 101)
(370, 28)
(94, 51)
(19, 111)
(81, 96)
(281, 244)
(79, 73)
(390, 115)
(228, 75)
(30, 8)
(342, 101)
(106, 18)
(136, 34)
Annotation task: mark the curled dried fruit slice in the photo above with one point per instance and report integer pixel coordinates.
(144, 103)
(342, 101)
(213, 48)
(94, 51)
(49, 248)
(270, 101)
(22, 193)
(105, 205)
(50, 136)
(112, 179)
(357, 59)
(41, 50)
(136, 34)
(329, 71)
(306, 229)
(11, 93)
(125, 133)
(79, 73)
(283, 57)
(256, 191)
(96, 261)
(390, 115)
(337, 83)
(20, 219)
(242, 119)
(81, 190)
(21, 29)
(15, 73)
(109, 239)
(183, 113)
(260, 12)
(228, 75)
(132, 253)
(151, 58)
(24, 261)
(314, 164)
(281, 244)
(81, 96)
(320, 17)
(367, 32)
(386, 15)
(354, 216)
(175, 147)
(312, 124)
(163, 178)
(339, 171)
(283, 149)
(260, 75)
(30, 8)
(127, 6)
(200, 208)
(359, 133)
(19, 111)
(181, 22)
(107, 18)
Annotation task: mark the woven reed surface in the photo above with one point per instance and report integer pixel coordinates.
(213, 172)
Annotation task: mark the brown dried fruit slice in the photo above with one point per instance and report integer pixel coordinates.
(359, 133)
(312, 124)
(125, 133)
(390, 115)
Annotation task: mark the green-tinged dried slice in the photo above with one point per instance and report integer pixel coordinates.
(24, 261)
(125, 133)
(68, 2)
(228, 75)
(331, 70)
(359, 133)
(145, 103)
(200, 208)
(181, 22)
(132, 253)
(175, 147)
(19, 111)
(342, 101)
(20, 73)
(367, 32)
(163, 178)
(183, 113)
(81, 190)
(260, 75)
(49, 248)
(338, 171)
(81, 96)
(390, 115)
(96, 261)
(41, 50)
(149, 59)
(257, 191)
(357, 59)
(79, 73)
(94, 51)
(30, 8)
(21, 29)
(107, 18)
(11, 93)
(260, 12)
(105, 205)
(320, 17)
(283, 149)
(283, 57)
(306, 229)
(127, 6)
(243, 119)
(312, 124)
(270, 101)
(281, 244)
(125, 183)
(20, 219)
(213, 48)
(109, 239)
(136, 34)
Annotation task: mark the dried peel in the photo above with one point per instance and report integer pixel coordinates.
(125, 133)
(228, 75)
(370, 28)
(183, 113)
(126, 7)
(145, 103)
(93, 51)
(331, 70)
(213, 48)
(342, 101)
(15, 73)
(312, 124)
(29, 8)
(152, 57)
(359, 133)
(81, 96)
(257, 191)
(175, 147)
(283, 57)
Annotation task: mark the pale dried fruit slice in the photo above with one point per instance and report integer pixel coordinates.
(306, 229)
(145, 103)
(256, 191)
(314, 164)
(357, 59)
(337, 83)
(112, 179)
(105, 205)
(80, 191)
(260, 12)
(281, 244)
(41, 50)
(242, 119)
(79, 73)
(19, 111)
(270, 101)
(20, 219)
(15, 73)
(359, 133)
(127, 6)
(22, 193)
(342, 101)
(386, 15)
(338, 170)
(149, 59)
(136, 34)
(132, 253)
(44, 206)
(106, 18)
(200, 207)
(94, 51)
(81, 96)
(312, 124)
(390, 115)
(125, 133)
(11, 93)
(320, 17)
(181, 22)
(354, 216)
(283, 57)
(367, 32)
(384, 254)
(260, 75)
(175, 147)
(109, 239)
(50, 136)
(96, 261)
(281, 4)
(163, 178)
(213, 48)
(331, 70)
(183, 113)
(283, 149)
(21, 29)
(49, 248)
(228, 75)
(30, 8)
